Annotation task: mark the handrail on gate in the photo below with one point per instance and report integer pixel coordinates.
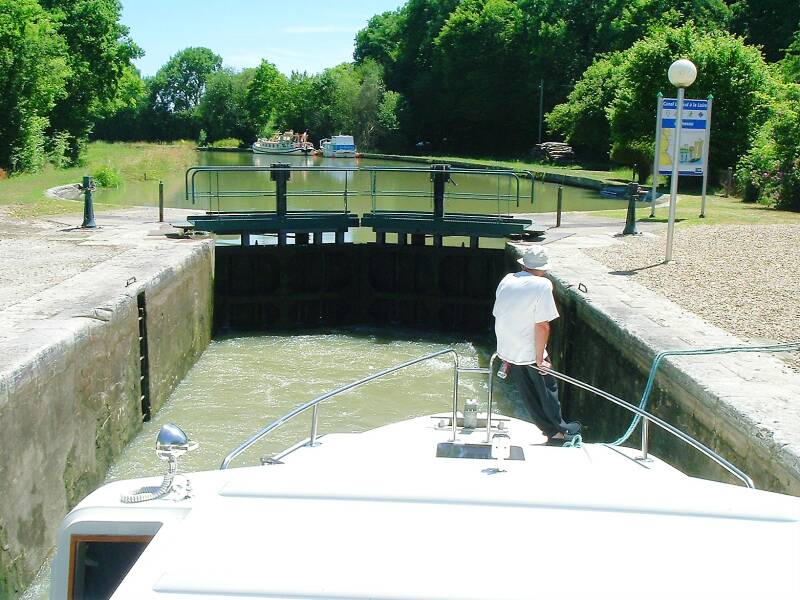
(191, 194)
(646, 416)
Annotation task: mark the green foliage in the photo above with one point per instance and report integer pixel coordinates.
(178, 86)
(222, 109)
(734, 73)
(790, 65)
(60, 149)
(227, 143)
(624, 86)
(770, 24)
(266, 97)
(583, 119)
(470, 70)
(33, 73)
(107, 176)
(175, 92)
(770, 171)
(99, 53)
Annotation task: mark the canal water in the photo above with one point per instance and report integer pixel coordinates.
(394, 188)
(241, 384)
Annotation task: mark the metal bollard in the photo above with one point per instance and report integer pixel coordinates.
(160, 201)
(88, 208)
(729, 183)
(630, 219)
(559, 204)
(280, 174)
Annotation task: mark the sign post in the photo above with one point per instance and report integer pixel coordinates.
(705, 158)
(654, 191)
(684, 150)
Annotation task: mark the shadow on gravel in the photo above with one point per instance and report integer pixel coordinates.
(630, 272)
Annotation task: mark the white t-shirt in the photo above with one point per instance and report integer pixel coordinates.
(521, 301)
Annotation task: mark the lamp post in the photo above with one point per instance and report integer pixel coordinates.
(682, 74)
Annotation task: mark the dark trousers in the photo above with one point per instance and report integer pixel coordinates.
(541, 396)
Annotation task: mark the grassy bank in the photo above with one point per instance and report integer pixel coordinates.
(719, 211)
(23, 195)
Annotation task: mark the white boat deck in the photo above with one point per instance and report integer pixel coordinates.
(378, 515)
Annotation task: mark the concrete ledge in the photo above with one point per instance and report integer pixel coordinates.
(560, 178)
(70, 387)
(745, 406)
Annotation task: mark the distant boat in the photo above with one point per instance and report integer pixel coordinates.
(287, 142)
(339, 146)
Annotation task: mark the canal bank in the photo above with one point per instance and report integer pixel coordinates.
(544, 176)
(608, 334)
(84, 359)
(745, 406)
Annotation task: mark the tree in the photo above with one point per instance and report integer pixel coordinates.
(174, 94)
(790, 65)
(179, 85)
(380, 39)
(222, 111)
(770, 171)
(767, 23)
(99, 53)
(266, 98)
(489, 105)
(583, 119)
(733, 72)
(33, 73)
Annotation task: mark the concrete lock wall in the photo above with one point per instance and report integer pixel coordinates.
(607, 336)
(69, 406)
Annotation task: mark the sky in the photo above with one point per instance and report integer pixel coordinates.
(294, 35)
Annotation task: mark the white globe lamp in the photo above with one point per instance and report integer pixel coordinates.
(682, 74)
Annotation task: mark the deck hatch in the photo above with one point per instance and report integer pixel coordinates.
(482, 451)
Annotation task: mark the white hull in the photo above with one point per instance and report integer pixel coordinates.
(339, 146)
(258, 149)
(339, 153)
(379, 515)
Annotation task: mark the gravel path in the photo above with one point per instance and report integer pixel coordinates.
(743, 278)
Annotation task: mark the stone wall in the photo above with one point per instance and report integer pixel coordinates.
(70, 393)
(739, 405)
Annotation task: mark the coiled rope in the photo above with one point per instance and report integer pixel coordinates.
(786, 347)
(152, 492)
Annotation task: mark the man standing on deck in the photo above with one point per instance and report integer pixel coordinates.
(523, 308)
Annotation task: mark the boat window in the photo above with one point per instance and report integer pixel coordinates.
(484, 451)
(99, 564)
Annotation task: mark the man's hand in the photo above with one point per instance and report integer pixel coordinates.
(544, 363)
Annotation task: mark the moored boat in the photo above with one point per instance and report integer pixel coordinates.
(403, 511)
(338, 146)
(287, 142)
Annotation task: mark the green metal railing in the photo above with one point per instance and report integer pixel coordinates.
(216, 194)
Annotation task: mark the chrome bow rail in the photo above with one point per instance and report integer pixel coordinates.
(647, 417)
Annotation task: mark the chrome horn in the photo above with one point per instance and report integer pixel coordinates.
(173, 442)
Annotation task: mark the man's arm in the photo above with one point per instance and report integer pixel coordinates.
(542, 331)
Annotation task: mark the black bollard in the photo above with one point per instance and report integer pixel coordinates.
(559, 203)
(160, 201)
(280, 174)
(88, 208)
(439, 176)
(630, 220)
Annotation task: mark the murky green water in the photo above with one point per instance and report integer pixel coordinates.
(241, 384)
(358, 185)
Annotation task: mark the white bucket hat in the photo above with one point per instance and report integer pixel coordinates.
(536, 257)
